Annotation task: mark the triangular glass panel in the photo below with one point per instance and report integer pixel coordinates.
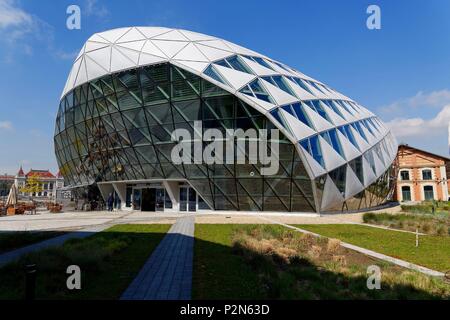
(357, 167)
(338, 176)
(212, 73)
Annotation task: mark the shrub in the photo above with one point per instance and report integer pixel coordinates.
(315, 251)
(284, 255)
(333, 245)
(430, 224)
(426, 227)
(308, 238)
(442, 230)
(368, 217)
(340, 259)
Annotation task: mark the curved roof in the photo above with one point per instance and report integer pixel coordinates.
(126, 48)
(306, 110)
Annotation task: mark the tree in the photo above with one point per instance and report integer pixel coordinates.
(33, 185)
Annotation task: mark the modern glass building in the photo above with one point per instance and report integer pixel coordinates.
(130, 88)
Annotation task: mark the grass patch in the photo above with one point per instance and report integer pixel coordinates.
(273, 262)
(433, 251)
(439, 208)
(218, 273)
(10, 240)
(109, 261)
(429, 224)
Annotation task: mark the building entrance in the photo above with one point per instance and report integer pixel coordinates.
(148, 199)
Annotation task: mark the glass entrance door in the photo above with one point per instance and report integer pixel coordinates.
(137, 199)
(159, 203)
(148, 199)
(188, 199)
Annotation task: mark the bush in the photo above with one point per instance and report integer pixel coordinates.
(340, 259)
(315, 251)
(369, 217)
(333, 245)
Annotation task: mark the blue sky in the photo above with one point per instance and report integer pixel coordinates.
(401, 72)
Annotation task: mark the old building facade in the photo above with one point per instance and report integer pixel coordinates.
(422, 175)
(48, 183)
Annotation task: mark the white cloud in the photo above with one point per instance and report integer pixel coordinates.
(21, 31)
(18, 28)
(419, 127)
(422, 120)
(36, 133)
(65, 55)
(6, 125)
(93, 8)
(12, 16)
(434, 99)
(16, 23)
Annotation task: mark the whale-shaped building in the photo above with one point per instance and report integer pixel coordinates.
(131, 88)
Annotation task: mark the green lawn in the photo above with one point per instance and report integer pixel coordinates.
(218, 273)
(109, 261)
(433, 224)
(10, 240)
(433, 251)
(274, 262)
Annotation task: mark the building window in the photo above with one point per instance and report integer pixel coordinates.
(426, 174)
(129, 191)
(167, 202)
(202, 205)
(428, 193)
(406, 193)
(404, 175)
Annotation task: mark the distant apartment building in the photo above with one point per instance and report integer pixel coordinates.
(422, 175)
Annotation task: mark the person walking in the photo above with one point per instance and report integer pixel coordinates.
(110, 202)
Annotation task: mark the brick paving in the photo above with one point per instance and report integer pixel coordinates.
(167, 274)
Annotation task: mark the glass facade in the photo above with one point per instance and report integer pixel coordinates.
(374, 195)
(118, 128)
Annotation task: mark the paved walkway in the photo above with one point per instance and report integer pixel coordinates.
(167, 274)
